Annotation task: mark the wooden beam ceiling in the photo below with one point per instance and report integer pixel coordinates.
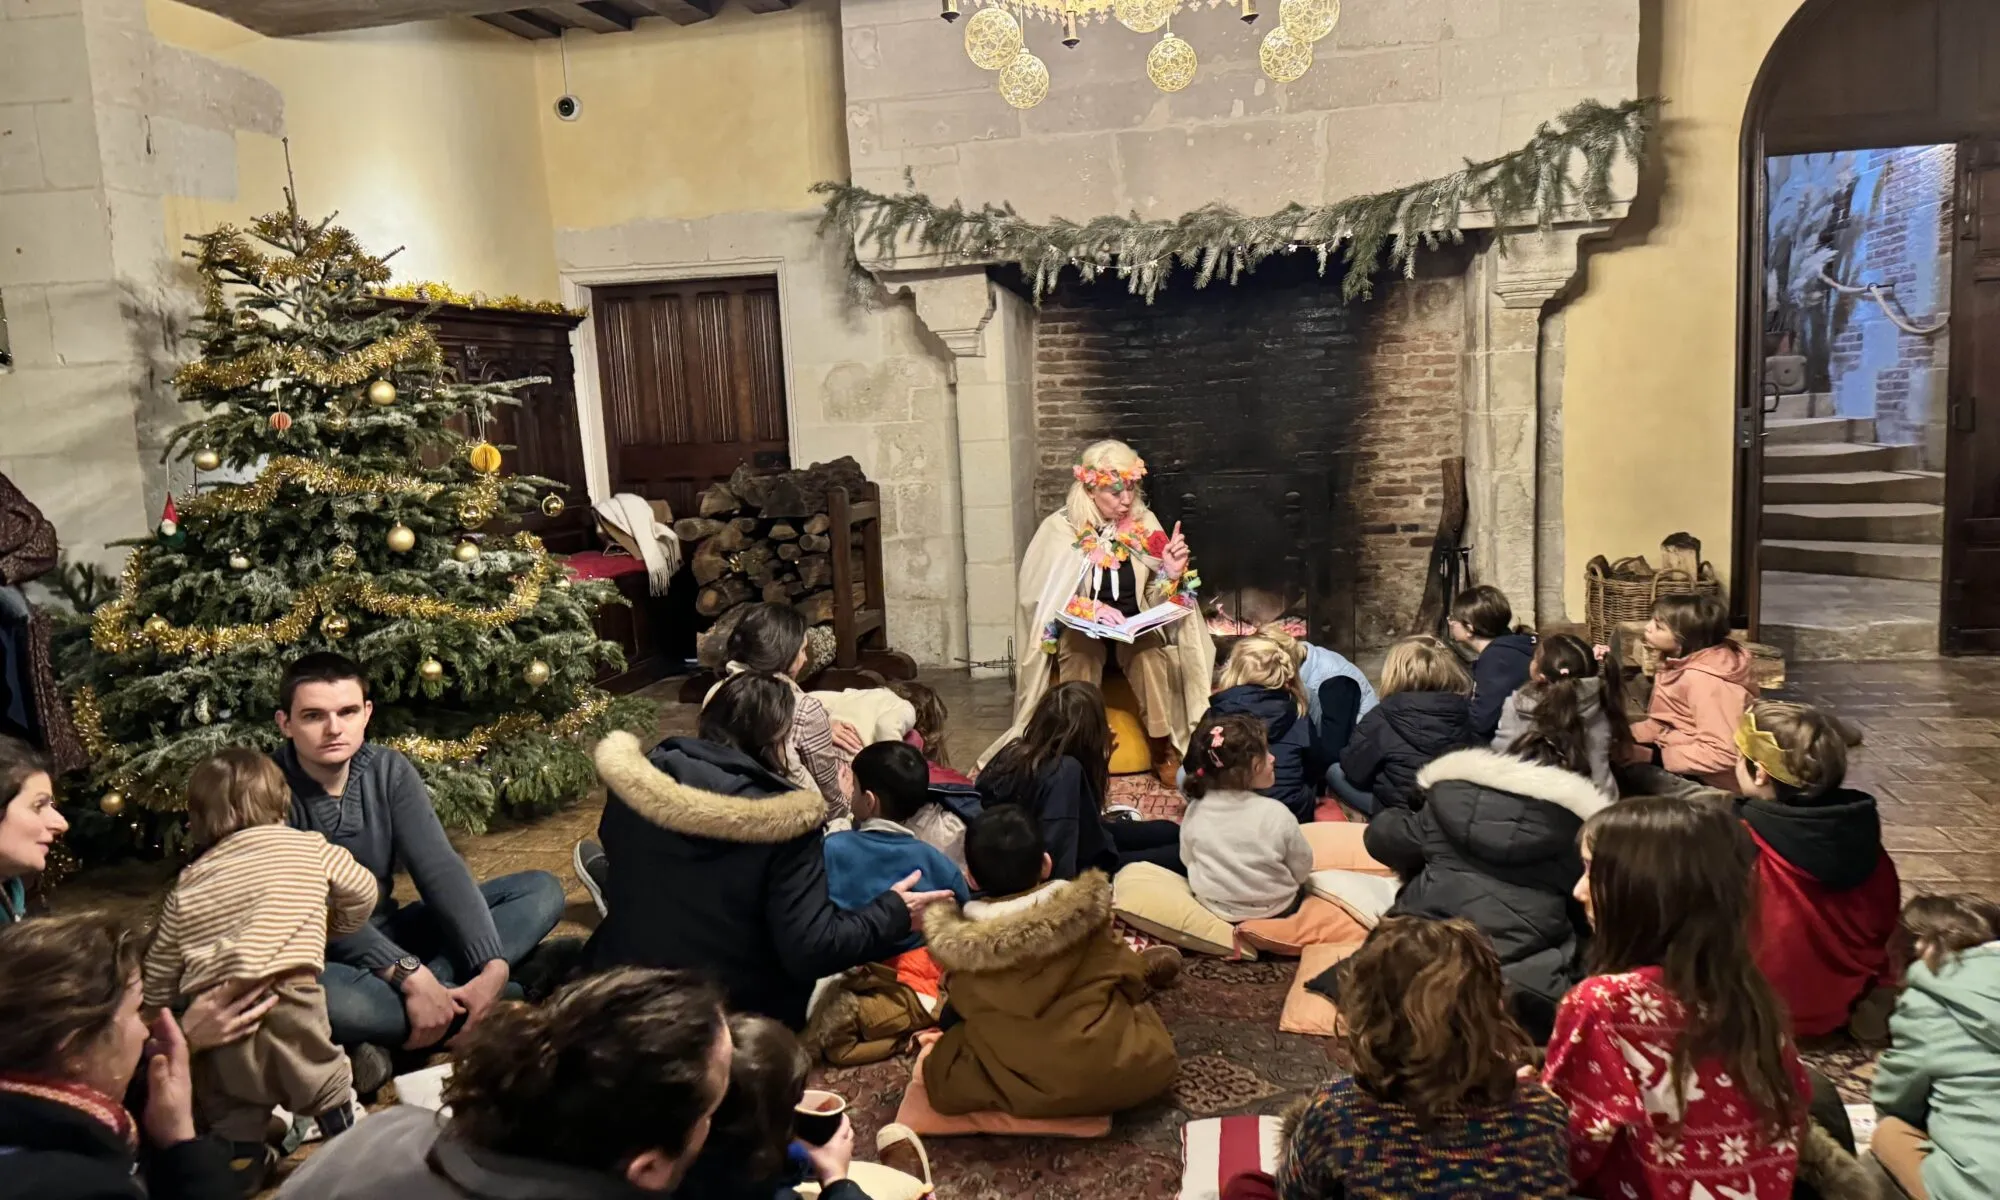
(534, 19)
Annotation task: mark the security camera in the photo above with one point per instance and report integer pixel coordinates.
(568, 108)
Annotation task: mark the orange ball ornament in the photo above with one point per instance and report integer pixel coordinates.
(485, 458)
(281, 421)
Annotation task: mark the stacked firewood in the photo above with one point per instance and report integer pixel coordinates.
(765, 537)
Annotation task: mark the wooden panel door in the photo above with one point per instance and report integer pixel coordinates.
(1971, 618)
(693, 379)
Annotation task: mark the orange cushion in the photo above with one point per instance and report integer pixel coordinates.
(917, 1113)
(1316, 923)
(1306, 1011)
(1337, 847)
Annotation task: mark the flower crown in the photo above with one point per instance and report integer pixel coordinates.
(1110, 477)
(1763, 749)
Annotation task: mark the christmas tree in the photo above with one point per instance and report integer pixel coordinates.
(361, 521)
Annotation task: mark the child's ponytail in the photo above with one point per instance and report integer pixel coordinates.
(1558, 734)
(1223, 754)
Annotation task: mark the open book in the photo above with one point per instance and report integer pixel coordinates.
(1131, 627)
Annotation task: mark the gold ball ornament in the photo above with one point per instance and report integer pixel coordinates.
(1283, 56)
(1025, 81)
(381, 393)
(552, 505)
(402, 539)
(466, 551)
(1170, 64)
(992, 38)
(1142, 16)
(344, 555)
(334, 626)
(430, 670)
(537, 673)
(206, 460)
(156, 625)
(485, 458)
(238, 561)
(1308, 20)
(564, 582)
(280, 421)
(111, 803)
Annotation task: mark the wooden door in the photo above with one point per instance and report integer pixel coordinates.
(1971, 618)
(693, 378)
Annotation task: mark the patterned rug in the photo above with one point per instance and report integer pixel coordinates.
(1224, 1018)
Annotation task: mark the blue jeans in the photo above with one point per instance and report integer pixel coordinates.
(363, 1008)
(1356, 799)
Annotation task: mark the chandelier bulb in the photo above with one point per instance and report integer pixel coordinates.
(1249, 12)
(950, 12)
(1070, 37)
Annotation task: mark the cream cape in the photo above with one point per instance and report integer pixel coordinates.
(1051, 573)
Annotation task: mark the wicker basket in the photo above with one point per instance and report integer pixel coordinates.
(1610, 601)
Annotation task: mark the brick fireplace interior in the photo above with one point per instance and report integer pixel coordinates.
(1298, 437)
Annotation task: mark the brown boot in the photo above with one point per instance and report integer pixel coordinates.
(1166, 761)
(1163, 966)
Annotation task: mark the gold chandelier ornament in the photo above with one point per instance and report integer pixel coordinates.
(1142, 16)
(1284, 57)
(1170, 64)
(1308, 20)
(993, 39)
(1024, 82)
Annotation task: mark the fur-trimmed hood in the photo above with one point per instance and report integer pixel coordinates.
(1505, 773)
(1506, 811)
(704, 790)
(1027, 929)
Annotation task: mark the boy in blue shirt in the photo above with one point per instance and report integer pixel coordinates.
(891, 784)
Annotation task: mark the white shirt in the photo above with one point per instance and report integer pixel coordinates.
(1245, 855)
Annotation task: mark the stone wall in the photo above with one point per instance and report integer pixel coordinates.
(1280, 382)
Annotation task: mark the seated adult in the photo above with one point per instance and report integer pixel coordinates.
(1058, 770)
(715, 861)
(416, 972)
(605, 1091)
(71, 1037)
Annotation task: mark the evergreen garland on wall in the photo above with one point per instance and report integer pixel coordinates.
(1534, 185)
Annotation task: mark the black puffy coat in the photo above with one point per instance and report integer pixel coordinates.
(716, 864)
(1400, 737)
(1295, 771)
(1496, 845)
(1498, 673)
(53, 1151)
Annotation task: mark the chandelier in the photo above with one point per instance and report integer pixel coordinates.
(994, 40)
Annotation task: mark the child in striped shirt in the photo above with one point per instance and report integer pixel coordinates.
(259, 903)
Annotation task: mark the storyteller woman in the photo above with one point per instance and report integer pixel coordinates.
(1103, 556)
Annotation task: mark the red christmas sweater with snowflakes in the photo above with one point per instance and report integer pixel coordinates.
(1629, 1136)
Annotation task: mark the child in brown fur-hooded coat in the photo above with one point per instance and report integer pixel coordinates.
(1052, 1005)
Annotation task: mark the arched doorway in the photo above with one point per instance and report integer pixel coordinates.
(1868, 447)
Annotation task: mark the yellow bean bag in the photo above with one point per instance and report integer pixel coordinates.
(1131, 753)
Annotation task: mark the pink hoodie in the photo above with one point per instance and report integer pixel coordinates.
(1692, 716)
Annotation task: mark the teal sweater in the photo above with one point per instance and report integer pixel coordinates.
(13, 900)
(1941, 1072)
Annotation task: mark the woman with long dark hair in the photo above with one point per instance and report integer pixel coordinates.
(771, 640)
(716, 862)
(1674, 1055)
(1059, 770)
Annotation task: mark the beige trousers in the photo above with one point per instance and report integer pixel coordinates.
(1147, 664)
(290, 1061)
(1900, 1148)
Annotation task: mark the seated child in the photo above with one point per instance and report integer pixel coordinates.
(1425, 713)
(1261, 681)
(1937, 1087)
(1249, 610)
(1053, 1018)
(1246, 856)
(1436, 1105)
(1482, 619)
(1566, 684)
(254, 906)
(928, 734)
(1827, 891)
(1701, 689)
(890, 789)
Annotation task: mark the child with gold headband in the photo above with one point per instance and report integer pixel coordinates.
(1829, 897)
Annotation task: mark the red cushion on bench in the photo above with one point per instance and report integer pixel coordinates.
(595, 564)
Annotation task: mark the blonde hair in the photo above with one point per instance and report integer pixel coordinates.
(234, 790)
(1263, 662)
(1423, 663)
(1815, 753)
(1109, 454)
(1275, 631)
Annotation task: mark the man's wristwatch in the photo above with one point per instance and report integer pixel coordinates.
(403, 968)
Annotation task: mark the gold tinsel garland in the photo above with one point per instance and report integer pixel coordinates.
(513, 725)
(432, 292)
(227, 251)
(413, 346)
(475, 507)
(112, 629)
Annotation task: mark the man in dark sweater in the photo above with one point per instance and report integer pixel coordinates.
(416, 972)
